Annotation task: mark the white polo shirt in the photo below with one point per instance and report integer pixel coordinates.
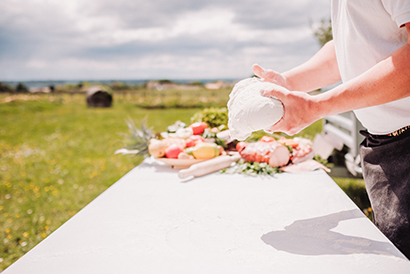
(365, 32)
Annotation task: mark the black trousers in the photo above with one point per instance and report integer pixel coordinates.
(386, 172)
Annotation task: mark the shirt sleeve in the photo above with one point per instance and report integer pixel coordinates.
(399, 11)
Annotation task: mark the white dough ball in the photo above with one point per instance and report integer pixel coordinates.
(249, 111)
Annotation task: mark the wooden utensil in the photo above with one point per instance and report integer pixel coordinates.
(203, 168)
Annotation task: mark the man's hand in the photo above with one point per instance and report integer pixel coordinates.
(300, 110)
(298, 106)
(269, 75)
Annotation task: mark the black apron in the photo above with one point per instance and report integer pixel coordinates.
(386, 172)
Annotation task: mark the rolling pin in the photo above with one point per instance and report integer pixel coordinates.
(209, 166)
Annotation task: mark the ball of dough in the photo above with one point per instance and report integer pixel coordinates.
(249, 111)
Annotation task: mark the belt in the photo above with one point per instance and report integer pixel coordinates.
(399, 131)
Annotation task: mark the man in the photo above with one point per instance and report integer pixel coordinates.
(370, 53)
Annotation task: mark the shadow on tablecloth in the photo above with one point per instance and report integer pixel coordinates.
(314, 237)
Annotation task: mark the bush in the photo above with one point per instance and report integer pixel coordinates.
(5, 88)
(356, 190)
(21, 88)
(214, 117)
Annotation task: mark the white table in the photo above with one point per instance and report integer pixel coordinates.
(151, 222)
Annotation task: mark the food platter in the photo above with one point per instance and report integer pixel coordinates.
(180, 163)
(181, 147)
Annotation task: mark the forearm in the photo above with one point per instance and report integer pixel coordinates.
(319, 71)
(387, 81)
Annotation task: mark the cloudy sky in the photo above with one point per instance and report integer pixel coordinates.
(154, 39)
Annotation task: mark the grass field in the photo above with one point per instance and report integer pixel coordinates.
(57, 155)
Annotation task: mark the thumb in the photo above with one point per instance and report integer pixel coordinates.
(268, 75)
(258, 70)
(276, 91)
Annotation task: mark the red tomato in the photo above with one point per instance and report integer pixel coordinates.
(193, 140)
(173, 150)
(198, 128)
(240, 146)
(267, 139)
(204, 125)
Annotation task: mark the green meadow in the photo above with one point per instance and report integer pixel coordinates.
(57, 155)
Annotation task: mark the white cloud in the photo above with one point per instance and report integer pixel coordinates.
(68, 39)
(206, 20)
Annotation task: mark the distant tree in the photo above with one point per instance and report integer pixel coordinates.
(323, 33)
(164, 81)
(5, 88)
(21, 88)
(196, 83)
(119, 86)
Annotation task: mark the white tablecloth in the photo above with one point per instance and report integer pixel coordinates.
(152, 222)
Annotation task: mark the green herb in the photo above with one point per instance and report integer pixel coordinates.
(212, 135)
(214, 117)
(257, 135)
(324, 162)
(251, 168)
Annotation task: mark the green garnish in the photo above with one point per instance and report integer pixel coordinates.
(251, 168)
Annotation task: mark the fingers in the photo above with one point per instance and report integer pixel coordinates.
(282, 126)
(266, 75)
(269, 75)
(268, 93)
(258, 70)
(295, 111)
(279, 128)
(278, 93)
